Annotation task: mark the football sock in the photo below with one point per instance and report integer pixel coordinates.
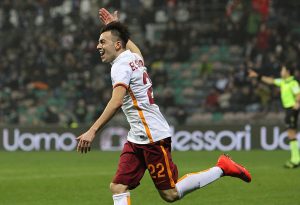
(193, 181)
(122, 199)
(295, 158)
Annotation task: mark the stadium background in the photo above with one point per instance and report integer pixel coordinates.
(53, 86)
(197, 53)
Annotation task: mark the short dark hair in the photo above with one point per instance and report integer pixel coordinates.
(289, 68)
(119, 30)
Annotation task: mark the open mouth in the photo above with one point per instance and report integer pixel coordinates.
(102, 52)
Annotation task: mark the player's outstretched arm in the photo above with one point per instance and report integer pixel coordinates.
(116, 101)
(107, 18)
(265, 79)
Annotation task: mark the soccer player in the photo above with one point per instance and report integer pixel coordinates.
(290, 98)
(149, 139)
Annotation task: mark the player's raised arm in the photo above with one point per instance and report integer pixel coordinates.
(107, 18)
(133, 48)
(265, 79)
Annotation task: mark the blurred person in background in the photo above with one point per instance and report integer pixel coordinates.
(290, 98)
(149, 139)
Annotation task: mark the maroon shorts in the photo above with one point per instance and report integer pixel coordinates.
(156, 157)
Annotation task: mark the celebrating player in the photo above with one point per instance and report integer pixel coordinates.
(148, 143)
(290, 98)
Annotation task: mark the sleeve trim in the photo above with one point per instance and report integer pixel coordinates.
(121, 84)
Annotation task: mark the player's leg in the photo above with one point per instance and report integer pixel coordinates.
(164, 172)
(121, 194)
(161, 168)
(224, 167)
(129, 173)
(191, 182)
(294, 147)
(291, 121)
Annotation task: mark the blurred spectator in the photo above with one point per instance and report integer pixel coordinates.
(81, 111)
(262, 6)
(168, 99)
(50, 116)
(181, 115)
(224, 100)
(212, 101)
(264, 94)
(206, 66)
(262, 42)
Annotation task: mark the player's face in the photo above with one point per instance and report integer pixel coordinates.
(284, 72)
(106, 47)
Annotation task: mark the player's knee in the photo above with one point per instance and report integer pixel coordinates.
(170, 195)
(117, 188)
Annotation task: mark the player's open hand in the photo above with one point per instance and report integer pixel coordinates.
(252, 74)
(85, 141)
(107, 17)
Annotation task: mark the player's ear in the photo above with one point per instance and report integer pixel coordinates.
(118, 45)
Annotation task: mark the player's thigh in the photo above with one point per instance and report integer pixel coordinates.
(131, 167)
(160, 165)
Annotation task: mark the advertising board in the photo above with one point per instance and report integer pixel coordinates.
(111, 138)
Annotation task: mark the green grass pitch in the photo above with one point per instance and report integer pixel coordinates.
(70, 178)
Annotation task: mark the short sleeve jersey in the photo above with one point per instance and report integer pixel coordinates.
(147, 124)
(289, 88)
